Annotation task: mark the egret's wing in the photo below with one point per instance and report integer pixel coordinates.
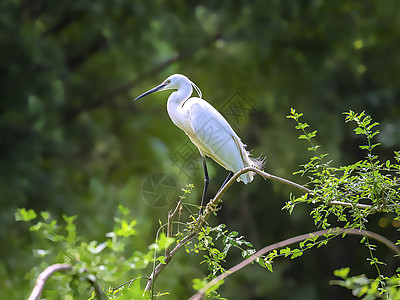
(215, 137)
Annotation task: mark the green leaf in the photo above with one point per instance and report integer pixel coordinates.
(45, 215)
(286, 251)
(269, 265)
(312, 134)
(233, 234)
(342, 273)
(296, 253)
(161, 259)
(164, 242)
(374, 145)
(126, 228)
(388, 164)
(359, 130)
(198, 284)
(262, 263)
(124, 210)
(25, 215)
(301, 126)
(69, 220)
(36, 227)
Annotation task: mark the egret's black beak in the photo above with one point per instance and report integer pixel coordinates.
(153, 90)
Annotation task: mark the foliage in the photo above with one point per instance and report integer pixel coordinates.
(351, 193)
(110, 261)
(72, 142)
(336, 192)
(368, 182)
(367, 288)
(373, 184)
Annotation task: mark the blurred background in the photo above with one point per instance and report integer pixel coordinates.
(73, 142)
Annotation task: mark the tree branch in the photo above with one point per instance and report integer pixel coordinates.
(42, 278)
(281, 180)
(200, 294)
(214, 202)
(202, 219)
(45, 275)
(129, 282)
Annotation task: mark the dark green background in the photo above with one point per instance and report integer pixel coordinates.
(73, 142)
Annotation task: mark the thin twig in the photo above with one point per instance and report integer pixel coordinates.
(171, 214)
(161, 266)
(97, 289)
(129, 282)
(347, 204)
(200, 294)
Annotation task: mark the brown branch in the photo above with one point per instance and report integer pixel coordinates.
(214, 202)
(45, 275)
(200, 294)
(281, 180)
(42, 278)
(202, 220)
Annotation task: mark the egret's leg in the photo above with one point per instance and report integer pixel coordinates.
(206, 182)
(226, 180)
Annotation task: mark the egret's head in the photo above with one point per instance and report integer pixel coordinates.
(173, 82)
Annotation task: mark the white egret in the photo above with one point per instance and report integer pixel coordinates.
(207, 129)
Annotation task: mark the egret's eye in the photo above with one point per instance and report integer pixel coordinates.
(168, 82)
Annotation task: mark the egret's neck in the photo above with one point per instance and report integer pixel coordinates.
(175, 108)
(177, 98)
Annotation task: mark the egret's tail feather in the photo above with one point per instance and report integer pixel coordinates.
(257, 163)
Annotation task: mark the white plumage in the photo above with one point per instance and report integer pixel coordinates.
(206, 127)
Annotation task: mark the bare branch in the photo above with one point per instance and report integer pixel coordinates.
(41, 280)
(45, 275)
(266, 175)
(200, 294)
